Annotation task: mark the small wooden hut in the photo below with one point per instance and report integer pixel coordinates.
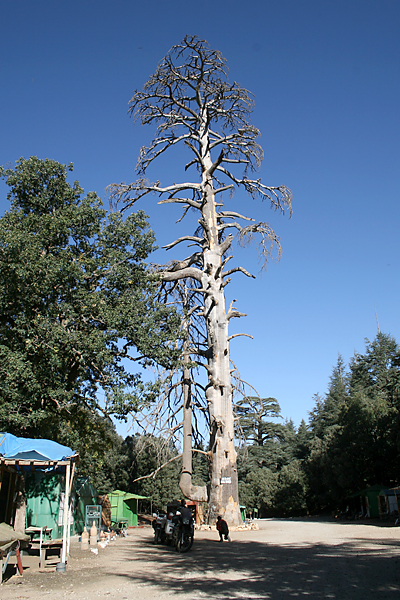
(41, 459)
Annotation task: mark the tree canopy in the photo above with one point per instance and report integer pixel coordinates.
(78, 305)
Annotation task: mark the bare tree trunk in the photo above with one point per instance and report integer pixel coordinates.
(193, 492)
(224, 494)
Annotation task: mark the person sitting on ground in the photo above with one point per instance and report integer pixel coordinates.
(223, 529)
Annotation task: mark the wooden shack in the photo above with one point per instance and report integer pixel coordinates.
(42, 461)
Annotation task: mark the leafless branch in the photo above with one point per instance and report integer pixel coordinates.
(191, 272)
(185, 238)
(154, 473)
(239, 335)
(269, 240)
(236, 270)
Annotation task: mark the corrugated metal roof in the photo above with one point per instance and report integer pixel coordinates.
(128, 496)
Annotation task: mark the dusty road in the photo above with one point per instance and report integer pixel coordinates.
(285, 559)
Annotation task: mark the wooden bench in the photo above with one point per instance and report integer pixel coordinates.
(44, 548)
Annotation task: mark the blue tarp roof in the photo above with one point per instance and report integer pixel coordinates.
(16, 448)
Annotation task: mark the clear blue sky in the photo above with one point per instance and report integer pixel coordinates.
(326, 80)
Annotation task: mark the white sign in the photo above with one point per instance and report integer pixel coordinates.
(226, 479)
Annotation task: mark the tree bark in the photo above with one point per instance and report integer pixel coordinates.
(224, 493)
(192, 492)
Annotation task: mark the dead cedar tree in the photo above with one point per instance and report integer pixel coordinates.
(191, 102)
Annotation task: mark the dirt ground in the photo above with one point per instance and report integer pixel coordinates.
(285, 559)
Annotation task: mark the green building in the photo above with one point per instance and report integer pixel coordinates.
(124, 507)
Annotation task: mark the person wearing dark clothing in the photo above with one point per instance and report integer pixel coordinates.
(223, 530)
(186, 513)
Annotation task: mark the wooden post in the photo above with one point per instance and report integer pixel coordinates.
(69, 508)
(10, 500)
(65, 515)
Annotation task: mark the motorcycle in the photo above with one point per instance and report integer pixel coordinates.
(170, 529)
(173, 529)
(164, 526)
(184, 533)
(158, 524)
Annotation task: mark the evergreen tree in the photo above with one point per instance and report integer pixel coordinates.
(258, 490)
(268, 470)
(303, 440)
(326, 413)
(291, 495)
(263, 438)
(367, 444)
(254, 415)
(356, 427)
(323, 488)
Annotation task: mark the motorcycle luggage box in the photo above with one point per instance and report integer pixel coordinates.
(169, 528)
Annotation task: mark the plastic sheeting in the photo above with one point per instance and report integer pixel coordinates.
(16, 448)
(8, 536)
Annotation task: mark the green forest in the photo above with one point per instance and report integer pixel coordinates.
(81, 311)
(350, 441)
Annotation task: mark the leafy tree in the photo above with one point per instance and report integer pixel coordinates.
(258, 490)
(192, 104)
(103, 457)
(78, 306)
(291, 495)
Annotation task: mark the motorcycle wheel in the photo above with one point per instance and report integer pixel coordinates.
(156, 537)
(185, 542)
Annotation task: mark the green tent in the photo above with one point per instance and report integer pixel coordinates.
(369, 500)
(124, 507)
(85, 494)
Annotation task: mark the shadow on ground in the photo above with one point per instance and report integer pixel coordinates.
(243, 569)
(382, 524)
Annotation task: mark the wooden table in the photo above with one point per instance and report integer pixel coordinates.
(41, 531)
(42, 542)
(44, 547)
